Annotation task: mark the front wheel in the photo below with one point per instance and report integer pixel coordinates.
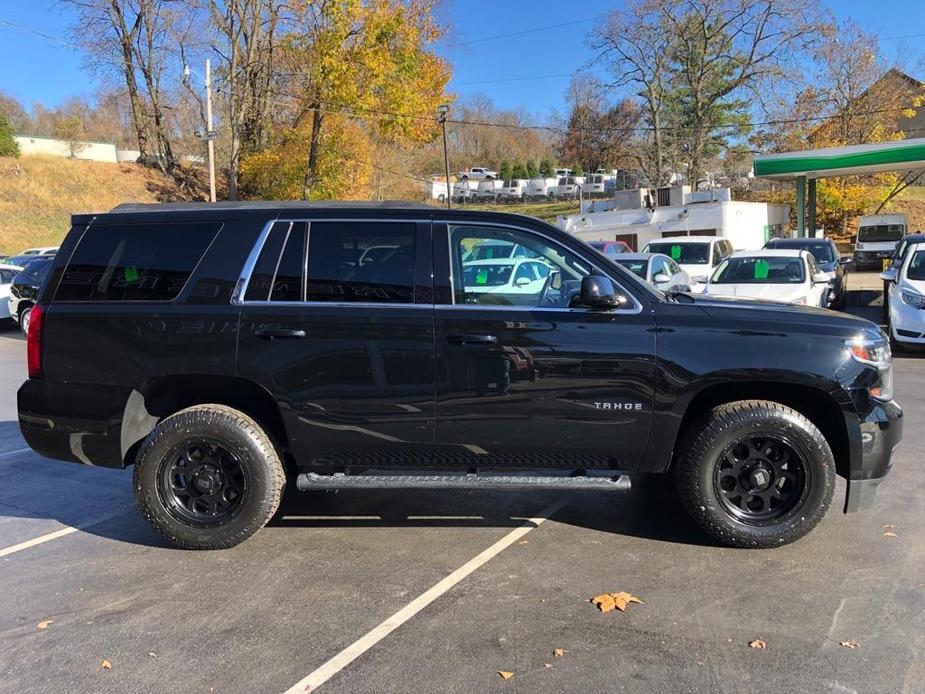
(24, 316)
(208, 477)
(755, 473)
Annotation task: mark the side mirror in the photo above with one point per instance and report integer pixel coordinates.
(888, 275)
(820, 278)
(599, 292)
(521, 282)
(846, 260)
(661, 278)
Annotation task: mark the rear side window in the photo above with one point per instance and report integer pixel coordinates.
(361, 262)
(134, 262)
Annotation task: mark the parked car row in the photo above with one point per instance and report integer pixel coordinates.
(532, 189)
(21, 276)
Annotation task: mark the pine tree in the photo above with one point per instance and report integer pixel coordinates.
(8, 145)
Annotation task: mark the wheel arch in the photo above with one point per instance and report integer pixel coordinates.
(818, 405)
(159, 398)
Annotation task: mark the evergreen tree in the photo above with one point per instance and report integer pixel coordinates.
(8, 145)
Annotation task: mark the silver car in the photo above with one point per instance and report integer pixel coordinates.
(655, 268)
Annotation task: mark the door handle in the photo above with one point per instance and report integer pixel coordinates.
(272, 333)
(471, 340)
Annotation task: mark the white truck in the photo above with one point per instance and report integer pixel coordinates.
(477, 173)
(541, 189)
(878, 235)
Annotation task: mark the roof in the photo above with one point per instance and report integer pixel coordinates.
(798, 241)
(501, 261)
(853, 160)
(634, 256)
(770, 253)
(265, 205)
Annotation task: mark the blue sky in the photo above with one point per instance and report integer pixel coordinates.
(530, 70)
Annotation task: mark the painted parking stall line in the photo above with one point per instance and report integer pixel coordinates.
(55, 535)
(322, 674)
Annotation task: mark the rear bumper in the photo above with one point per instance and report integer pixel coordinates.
(879, 433)
(73, 422)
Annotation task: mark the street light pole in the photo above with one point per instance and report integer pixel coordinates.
(209, 133)
(443, 109)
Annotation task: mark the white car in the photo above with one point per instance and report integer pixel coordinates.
(506, 277)
(7, 273)
(477, 173)
(907, 298)
(786, 275)
(492, 249)
(568, 187)
(656, 269)
(698, 256)
(47, 250)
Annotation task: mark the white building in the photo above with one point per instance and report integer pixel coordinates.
(636, 219)
(94, 151)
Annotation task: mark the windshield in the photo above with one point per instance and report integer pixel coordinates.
(685, 253)
(475, 276)
(34, 274)
(822, 252)
(916, 269)
(487, 251)
(637, 267)
(881, 232)
(759, 270)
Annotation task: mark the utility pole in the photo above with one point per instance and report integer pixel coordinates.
(210, 135)
(443, 109)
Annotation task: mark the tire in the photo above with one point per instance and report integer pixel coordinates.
(236, 459)
(24, 317)
(725, 448)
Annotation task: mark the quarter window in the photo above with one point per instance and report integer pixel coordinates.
(361, 262)
(134, 262)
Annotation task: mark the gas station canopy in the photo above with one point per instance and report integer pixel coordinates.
(854, 160)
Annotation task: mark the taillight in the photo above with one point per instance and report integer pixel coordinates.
(34, 341)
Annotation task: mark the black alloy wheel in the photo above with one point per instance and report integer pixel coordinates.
(760, 479)
(202, 484)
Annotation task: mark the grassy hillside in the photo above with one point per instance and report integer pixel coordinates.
(38, 195)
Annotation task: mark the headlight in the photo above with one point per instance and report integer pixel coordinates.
(911, 298)
(875, 351)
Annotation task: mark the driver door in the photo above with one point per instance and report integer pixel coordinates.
(528, 379)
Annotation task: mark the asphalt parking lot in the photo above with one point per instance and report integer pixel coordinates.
(439, 591)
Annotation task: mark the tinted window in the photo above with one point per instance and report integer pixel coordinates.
(916, 269)
(135, 262)
(881, 232)
(361, 262)
(258, 287)
(760, 270)
(34, 275)
(287, 283)
(822, 251)
(637, 267)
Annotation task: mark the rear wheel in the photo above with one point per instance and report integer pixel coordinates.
(208, 477)
(756, 474)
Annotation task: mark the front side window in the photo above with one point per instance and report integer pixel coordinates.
(551, 280)
(361, 262)
(134, 262)
(760, 270)
(916, 270)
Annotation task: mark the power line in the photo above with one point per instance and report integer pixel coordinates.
(29, 30)
(523, 31)
(516, 79)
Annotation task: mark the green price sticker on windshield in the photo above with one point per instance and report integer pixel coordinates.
(676, 252)
(761, 269)
(130, 274)
(482, 276)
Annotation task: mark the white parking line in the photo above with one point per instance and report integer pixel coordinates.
(315, 679)
(48, 537)
(15, 451)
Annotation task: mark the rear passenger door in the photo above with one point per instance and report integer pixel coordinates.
(338, 326)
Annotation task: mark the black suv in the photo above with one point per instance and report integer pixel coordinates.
(227, 349)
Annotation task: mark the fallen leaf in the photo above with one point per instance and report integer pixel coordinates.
(559, 652)
(524, 542)
(849, 644)
(614, 601)
(889, 534)
(106, 665)
(44, 623)
(757, 644)
(505, 675)
(889, 526)
(547, 665)
(153, 655)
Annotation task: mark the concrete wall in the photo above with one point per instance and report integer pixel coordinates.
(94, 151)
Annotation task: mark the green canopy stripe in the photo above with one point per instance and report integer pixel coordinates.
(795, 165)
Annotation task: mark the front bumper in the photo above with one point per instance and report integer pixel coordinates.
(878, 434)
(868, 258)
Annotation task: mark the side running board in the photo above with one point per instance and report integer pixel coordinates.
(389, 479)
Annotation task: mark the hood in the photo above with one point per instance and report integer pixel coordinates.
(785, 293)
(696, 270)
